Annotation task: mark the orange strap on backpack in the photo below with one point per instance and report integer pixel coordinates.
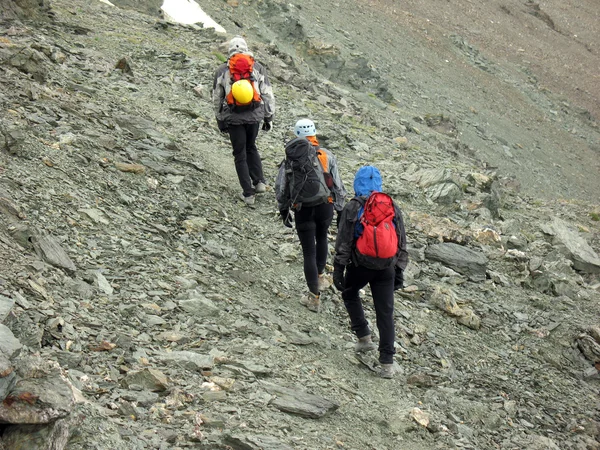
(324, 160)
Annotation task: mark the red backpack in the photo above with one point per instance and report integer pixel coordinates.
(377, 245)
(241, 66)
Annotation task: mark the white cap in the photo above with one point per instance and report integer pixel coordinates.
(237, 45)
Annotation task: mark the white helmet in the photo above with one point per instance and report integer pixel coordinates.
(305, 127)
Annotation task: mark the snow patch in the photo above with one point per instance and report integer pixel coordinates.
(188, 12)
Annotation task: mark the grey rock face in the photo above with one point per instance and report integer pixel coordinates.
(37, 401)
(584, 258)
(6, 305)
(468, 262)
(298, 402)
(189, 360)
(9, 344)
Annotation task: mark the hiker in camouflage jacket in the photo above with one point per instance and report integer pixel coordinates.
(243, 126)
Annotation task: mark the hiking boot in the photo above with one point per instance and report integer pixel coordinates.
(249, 201)
(260, 188)
(312, 302)
(387, 371)
(324, 282)
(364, 344)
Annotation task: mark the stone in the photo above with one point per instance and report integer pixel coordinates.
(188, 360)
(584, 258)
(195, 225)
(37, 400)
(298, 402)
(6, 306)
(419, 416)
(130, 168)
(9, 344)
(254, 442)
(537, 442)
(468, 262)
(143, 398)
(8, 377)
(430, 177)
(151, 379)
(444, 193)
(469, 319)
(103, 283)
(199, 306)
(51, 251)
(52, 436)
(96, 215)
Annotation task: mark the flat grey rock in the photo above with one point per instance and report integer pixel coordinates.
(468, 262)
(299, 402)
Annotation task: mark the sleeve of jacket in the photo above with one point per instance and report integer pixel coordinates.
(402, 252)
(218, 92)
(266, 92)
(281, 191)
(344, 242)
(339, 191)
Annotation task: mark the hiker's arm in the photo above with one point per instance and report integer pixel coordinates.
(345, 236)
(266, 93)
(339, 192)
(281, 191)
(402, 252)
(218, 94)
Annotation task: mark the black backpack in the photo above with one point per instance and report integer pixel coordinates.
(304, 174)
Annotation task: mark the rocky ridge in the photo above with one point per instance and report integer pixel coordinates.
(142, 306)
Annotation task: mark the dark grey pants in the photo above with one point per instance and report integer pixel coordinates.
(382, 287)
(246, 157)
(312, 224)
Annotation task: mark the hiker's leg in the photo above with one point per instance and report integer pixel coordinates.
(382, 287)
(305, 227)
(254, 162)
(323, 218)
(356, 278)
(237, 135)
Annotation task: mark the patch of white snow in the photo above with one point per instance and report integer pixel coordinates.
(188, 12)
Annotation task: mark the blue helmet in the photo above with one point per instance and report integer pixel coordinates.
(367, 180)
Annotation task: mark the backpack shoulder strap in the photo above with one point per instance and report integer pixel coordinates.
(323, 159)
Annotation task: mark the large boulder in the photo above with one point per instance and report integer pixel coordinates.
(468, 262)
(584, 258)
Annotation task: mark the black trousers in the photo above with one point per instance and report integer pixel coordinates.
(245, 154)
(312, 224)
(382, 287)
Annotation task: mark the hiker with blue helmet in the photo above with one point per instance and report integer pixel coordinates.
(371, 249)
(242, 99)
(309, 185)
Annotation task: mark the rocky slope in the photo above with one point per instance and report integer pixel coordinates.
(142, 306)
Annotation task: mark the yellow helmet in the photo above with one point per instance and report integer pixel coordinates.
(242, 91)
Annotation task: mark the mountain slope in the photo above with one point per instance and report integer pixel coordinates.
(131, 263)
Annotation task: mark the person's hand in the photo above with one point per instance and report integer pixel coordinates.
(267, 125)
(338, 276)
(223, 127)
(398, 279)
(286, 217)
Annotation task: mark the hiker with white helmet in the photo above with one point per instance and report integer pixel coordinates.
(371, 249)
(242, 99)
(308, 183)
